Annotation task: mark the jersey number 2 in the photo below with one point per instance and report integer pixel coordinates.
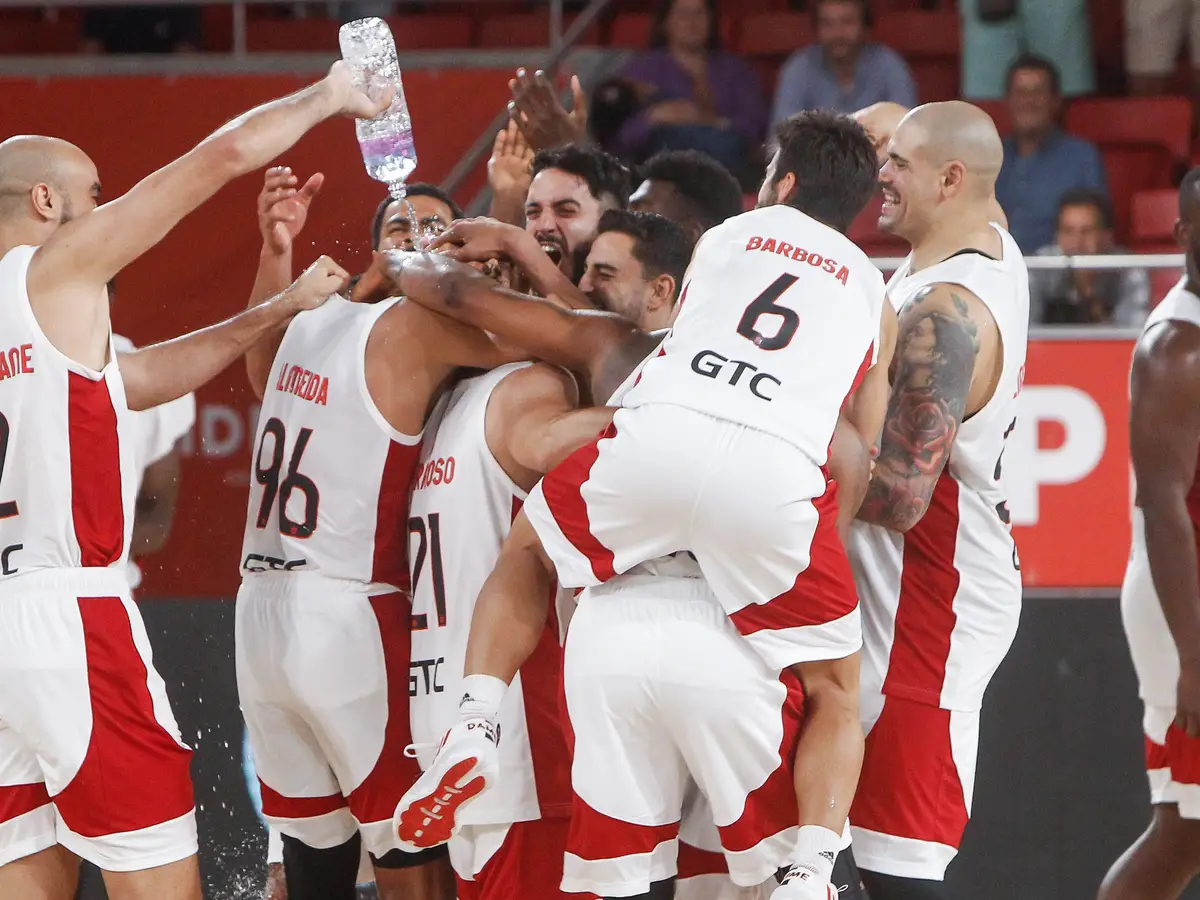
(274, 489)
(429, 543)
(764, 305)
(9, 508)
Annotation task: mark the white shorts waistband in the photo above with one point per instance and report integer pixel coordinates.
(84, 581)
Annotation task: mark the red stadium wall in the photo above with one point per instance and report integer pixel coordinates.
(204, 269)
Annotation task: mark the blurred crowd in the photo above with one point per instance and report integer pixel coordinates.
(688, 92)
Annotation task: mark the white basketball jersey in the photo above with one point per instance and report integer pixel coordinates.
(956, 571)
(1155, 656)
(67, 473)
(329, 478)
(777, 323)
(462, 508)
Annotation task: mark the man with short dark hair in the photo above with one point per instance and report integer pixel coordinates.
(393, 228)
(688, 187)
(766, 383)
(843, 71)
(1041, 161)
(1074, 296)
(572, 187)
(636, 265)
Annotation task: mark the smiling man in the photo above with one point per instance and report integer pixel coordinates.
(572, 188)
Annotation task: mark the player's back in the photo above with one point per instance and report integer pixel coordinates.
(778, 320)
(958, 565)
(67, 473)
(330, 477)
(463, 505)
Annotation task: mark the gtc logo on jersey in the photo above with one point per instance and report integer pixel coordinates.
(711, 364)
(16, 361)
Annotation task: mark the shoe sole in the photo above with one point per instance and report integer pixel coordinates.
(429, 822)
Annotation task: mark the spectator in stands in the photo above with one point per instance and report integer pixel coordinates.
(995, 32)
(693, 95)
(1086, 296)
(1041, 161)
(1154, 33)
(142, 29)
(843, 71)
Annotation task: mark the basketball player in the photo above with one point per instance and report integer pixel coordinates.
(322, 624)
(496, 435)
(393, 228)
(688, 187)
(933, 554)
(1160, 600)
(109, 778)
(826, 166)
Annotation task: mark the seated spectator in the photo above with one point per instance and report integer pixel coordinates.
(1041, 161)
(995, 32)
(142, 29)
(1086, 296)
(1154, 34)
(843, 71)
(693, 95)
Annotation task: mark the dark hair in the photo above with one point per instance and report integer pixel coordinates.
(1033, 62)
(660, 245)
(1189, 192)
(1087, 197)
(864, 8)
(604, 173)
(707, 186)
(833, 162)
(419, 189)
(658, 31)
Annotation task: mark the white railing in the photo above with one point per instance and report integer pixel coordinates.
(1106, 262)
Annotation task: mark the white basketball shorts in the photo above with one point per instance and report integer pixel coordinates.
(758, 515)
(661, 690)
(90, 755)
(323, 676)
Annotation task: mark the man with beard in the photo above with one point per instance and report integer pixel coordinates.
(489, 442)
(572, 187)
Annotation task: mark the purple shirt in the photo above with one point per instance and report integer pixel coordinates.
(736, 92)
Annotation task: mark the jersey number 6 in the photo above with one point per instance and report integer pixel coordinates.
(764, 305)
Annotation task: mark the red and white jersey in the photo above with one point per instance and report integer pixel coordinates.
(329, 478)
(778, 321)
(68, 478)
(462, 507)
(1155, 656)
(956, 572)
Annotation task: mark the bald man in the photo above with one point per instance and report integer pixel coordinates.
(932, 552)
(90, 755)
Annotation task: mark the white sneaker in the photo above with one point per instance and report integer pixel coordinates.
(804, 884)
(465, 766)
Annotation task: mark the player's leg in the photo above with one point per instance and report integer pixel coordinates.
(50, 874)
(30, 863)
(107, 743)
(426, 875)
(628, 778)
(1166, 857)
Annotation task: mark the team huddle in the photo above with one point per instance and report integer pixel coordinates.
(639, 547)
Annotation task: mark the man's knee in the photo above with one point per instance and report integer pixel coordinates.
(892, 887)
(1176, 835)
(328, 874)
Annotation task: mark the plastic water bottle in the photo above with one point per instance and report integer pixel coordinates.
(387, 140)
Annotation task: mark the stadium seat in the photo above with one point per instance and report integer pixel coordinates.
(1144, 142)
(1152, 220)
(632, 29)
(998, 110)
(315, 34)
(431, 31)
(529, 29)
(35, 32)
(773, 34)
(931, 43)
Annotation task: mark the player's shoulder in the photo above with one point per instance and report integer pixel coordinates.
(529, 383)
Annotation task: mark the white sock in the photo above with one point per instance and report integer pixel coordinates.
(481, 697)
(816, 849)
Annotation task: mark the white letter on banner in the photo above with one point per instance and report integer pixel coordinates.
(221, 430)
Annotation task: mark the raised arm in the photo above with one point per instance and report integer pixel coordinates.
(86, 252)
(164, 371)
(1164, 436)
(936, 347)
(574, 339)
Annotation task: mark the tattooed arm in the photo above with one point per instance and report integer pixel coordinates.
(936, 349)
